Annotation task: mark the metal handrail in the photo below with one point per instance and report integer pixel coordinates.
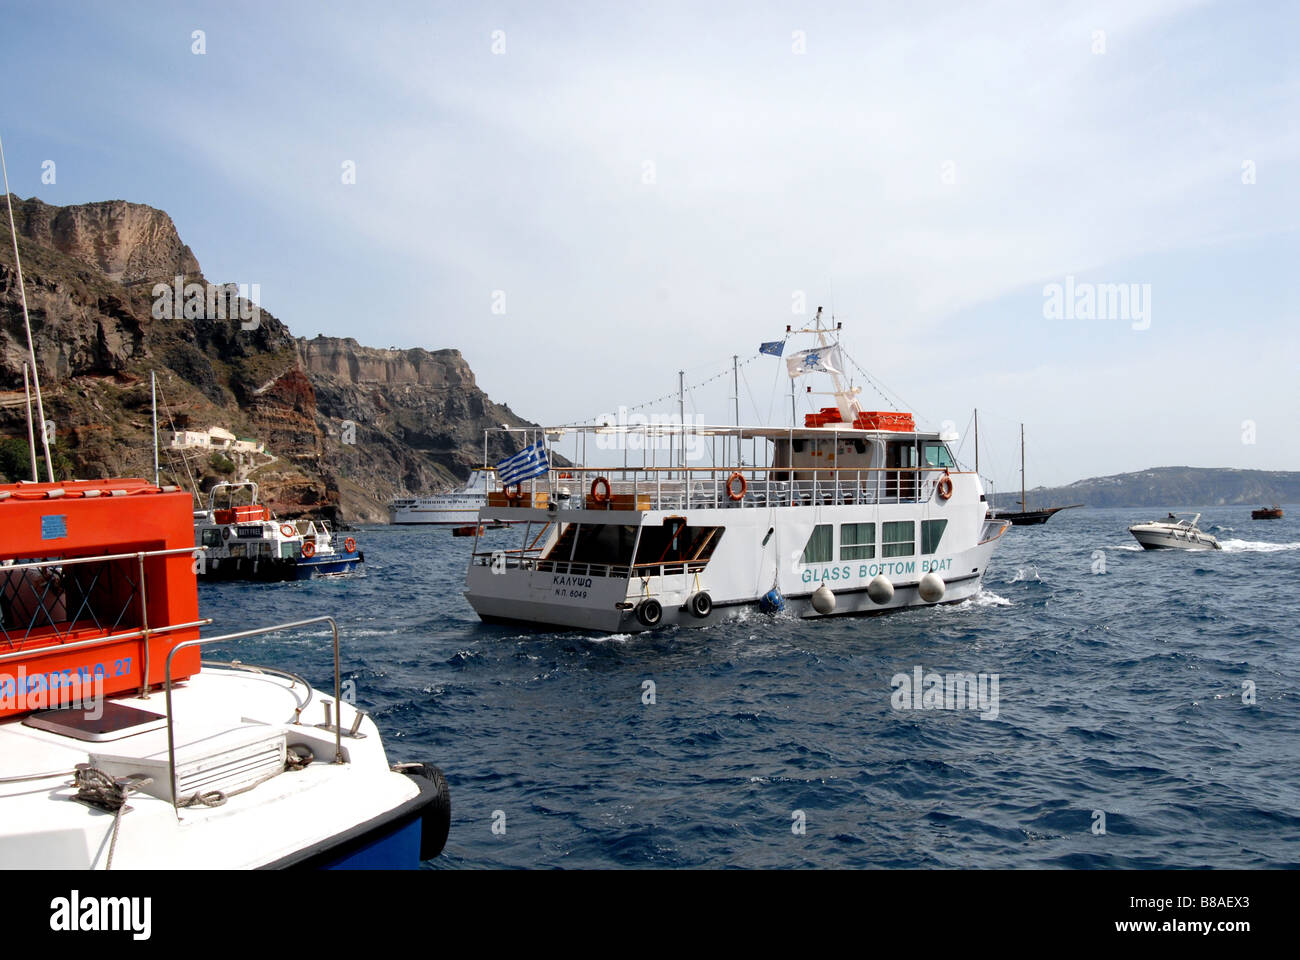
(273, 671)
(144, 632)
(100, 641)
(69, 561)
(242, 635)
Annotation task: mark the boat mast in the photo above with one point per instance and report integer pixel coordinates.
(31, 436)
(153, 393)
(1024, 507)
(735, 384)
(681, 416)
(977, 442)
(27, 322)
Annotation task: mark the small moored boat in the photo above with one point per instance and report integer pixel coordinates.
(1267, 513)
(245, 542)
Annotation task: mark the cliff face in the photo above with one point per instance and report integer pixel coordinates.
(126, 242)
(419, 412)
(349, 426)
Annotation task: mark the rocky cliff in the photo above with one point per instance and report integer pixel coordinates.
(348, 426)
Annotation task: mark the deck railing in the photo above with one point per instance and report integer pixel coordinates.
(684, 488)
(61, 598)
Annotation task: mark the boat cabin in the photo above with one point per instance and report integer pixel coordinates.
(97, 583)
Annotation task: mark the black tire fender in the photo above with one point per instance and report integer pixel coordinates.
(435, 822)
(650, 612)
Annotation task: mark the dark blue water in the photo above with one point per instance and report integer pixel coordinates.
(1119, 692)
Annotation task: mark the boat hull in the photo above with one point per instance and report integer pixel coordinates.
(751, 558)
(1165, 540)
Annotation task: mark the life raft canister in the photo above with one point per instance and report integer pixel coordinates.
(732, 492)
(600, 491)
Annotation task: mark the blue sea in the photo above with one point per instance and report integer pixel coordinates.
(1147, 711)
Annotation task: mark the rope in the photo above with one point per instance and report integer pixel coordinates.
(211, 798)
(98, 789)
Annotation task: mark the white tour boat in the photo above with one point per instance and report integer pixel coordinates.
(454, 508)
(855, 512)
(1174, 534)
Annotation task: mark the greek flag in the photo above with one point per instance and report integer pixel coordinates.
(815, 361)
(527, 463)
(773, 348)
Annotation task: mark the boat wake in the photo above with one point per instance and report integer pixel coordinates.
(985, 598)
(1025, 573)
(1256, 546)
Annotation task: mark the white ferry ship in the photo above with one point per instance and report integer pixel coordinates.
(855, 512)
(455, 508)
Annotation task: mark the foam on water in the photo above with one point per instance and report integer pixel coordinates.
(1257, 546)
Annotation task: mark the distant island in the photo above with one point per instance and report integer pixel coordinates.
(1166, 487)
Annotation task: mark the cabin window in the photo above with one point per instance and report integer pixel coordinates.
(857, 541)
(936, 454)
(820, 547)
(898, 539)
(598, 543)
(931, 534)
(212, 537)
(674, 542)
(288, 549)
(54, 600)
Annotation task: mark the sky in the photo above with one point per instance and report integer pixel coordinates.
(587, 198)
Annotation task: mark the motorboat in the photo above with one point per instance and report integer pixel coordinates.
(1267, 513)
(244, 541)
(1174, 533)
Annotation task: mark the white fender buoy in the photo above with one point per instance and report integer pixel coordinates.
(880, 589)
(931, 588)
(823, 600)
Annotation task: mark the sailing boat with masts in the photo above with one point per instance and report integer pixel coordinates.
(1024, 516)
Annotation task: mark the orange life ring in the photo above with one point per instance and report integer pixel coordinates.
(308, 548)
(945, 487)
(287, 531)
(732, 492)
(596, 487)
(349, 544)
(519, 492)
